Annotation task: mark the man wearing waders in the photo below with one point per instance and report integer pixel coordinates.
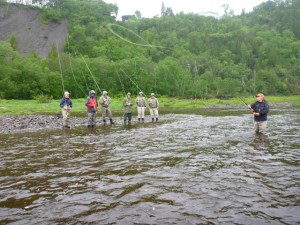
(92, 108)
(104, 101)
(153, 107)
(141, 105)
(260, 110)
(66, 106)
(127, 103)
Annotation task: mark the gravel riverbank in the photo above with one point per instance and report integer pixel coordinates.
(33, 123)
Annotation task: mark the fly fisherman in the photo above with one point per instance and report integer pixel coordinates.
(66, 106)
(92, 108)
(153, 107)
(104, 101)
(127, 103)
(141, 105)
(260, 110)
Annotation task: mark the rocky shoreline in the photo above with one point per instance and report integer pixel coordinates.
(33, 123)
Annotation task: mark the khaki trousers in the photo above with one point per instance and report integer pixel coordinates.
(154, 112)
(260, 127)
(106, 112)
(66, 115)
(141, 112)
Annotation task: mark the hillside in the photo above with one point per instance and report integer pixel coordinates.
(31, 34)
(183, 55)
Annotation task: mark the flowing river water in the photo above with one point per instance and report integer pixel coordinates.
(205, 167)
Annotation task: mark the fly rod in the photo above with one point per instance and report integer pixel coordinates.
(246, 104)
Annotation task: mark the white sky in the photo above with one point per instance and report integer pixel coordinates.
(151, 8)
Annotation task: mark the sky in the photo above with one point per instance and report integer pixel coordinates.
(151, 8)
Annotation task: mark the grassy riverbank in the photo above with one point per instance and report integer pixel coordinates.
(23, 107)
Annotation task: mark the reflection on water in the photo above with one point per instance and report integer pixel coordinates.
(186, 169)
(261, 142)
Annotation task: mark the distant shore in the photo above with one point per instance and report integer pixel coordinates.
(30, 107)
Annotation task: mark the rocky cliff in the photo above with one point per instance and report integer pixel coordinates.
(31, 34)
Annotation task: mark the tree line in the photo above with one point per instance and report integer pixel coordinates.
(182, 55)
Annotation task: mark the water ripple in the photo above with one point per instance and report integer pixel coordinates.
(187, 169)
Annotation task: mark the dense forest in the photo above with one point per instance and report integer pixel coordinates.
(182, 55)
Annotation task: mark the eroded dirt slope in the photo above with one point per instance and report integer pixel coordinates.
(31, 34)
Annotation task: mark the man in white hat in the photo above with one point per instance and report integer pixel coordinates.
(66, 106)
(153, 107)
(104, 101)
(141, 105)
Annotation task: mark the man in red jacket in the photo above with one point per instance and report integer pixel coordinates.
(92, 108)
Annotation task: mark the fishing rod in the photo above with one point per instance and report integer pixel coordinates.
(122, 85)
(109, 26)
(242, 100)
(61, 74)
(72, 71)
(91, 74)
(246, 104)
(80, 67)
(131, 80)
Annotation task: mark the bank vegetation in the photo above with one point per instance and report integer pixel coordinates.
(181, 55)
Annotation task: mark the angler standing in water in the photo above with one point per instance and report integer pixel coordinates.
(141, 105)
(66, 106)
(153, 107)
(104, 101)
(260, 110)
(127, 103)
(92, 108)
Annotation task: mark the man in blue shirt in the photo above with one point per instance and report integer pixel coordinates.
(66, 106)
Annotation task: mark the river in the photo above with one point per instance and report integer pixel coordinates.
(205, 167)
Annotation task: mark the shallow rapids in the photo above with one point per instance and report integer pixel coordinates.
(201, 168)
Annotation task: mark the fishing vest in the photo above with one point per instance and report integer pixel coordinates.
(140, 101)
(92, 103)
(153, 103)
(127, 103)
(104, 101)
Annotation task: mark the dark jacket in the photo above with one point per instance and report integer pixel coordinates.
(65, 101)
(262, 108)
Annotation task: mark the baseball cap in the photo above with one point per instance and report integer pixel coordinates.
(260, 95)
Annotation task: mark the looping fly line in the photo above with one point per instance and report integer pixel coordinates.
(109, 26)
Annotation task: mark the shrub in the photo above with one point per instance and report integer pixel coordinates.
(43, 98)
